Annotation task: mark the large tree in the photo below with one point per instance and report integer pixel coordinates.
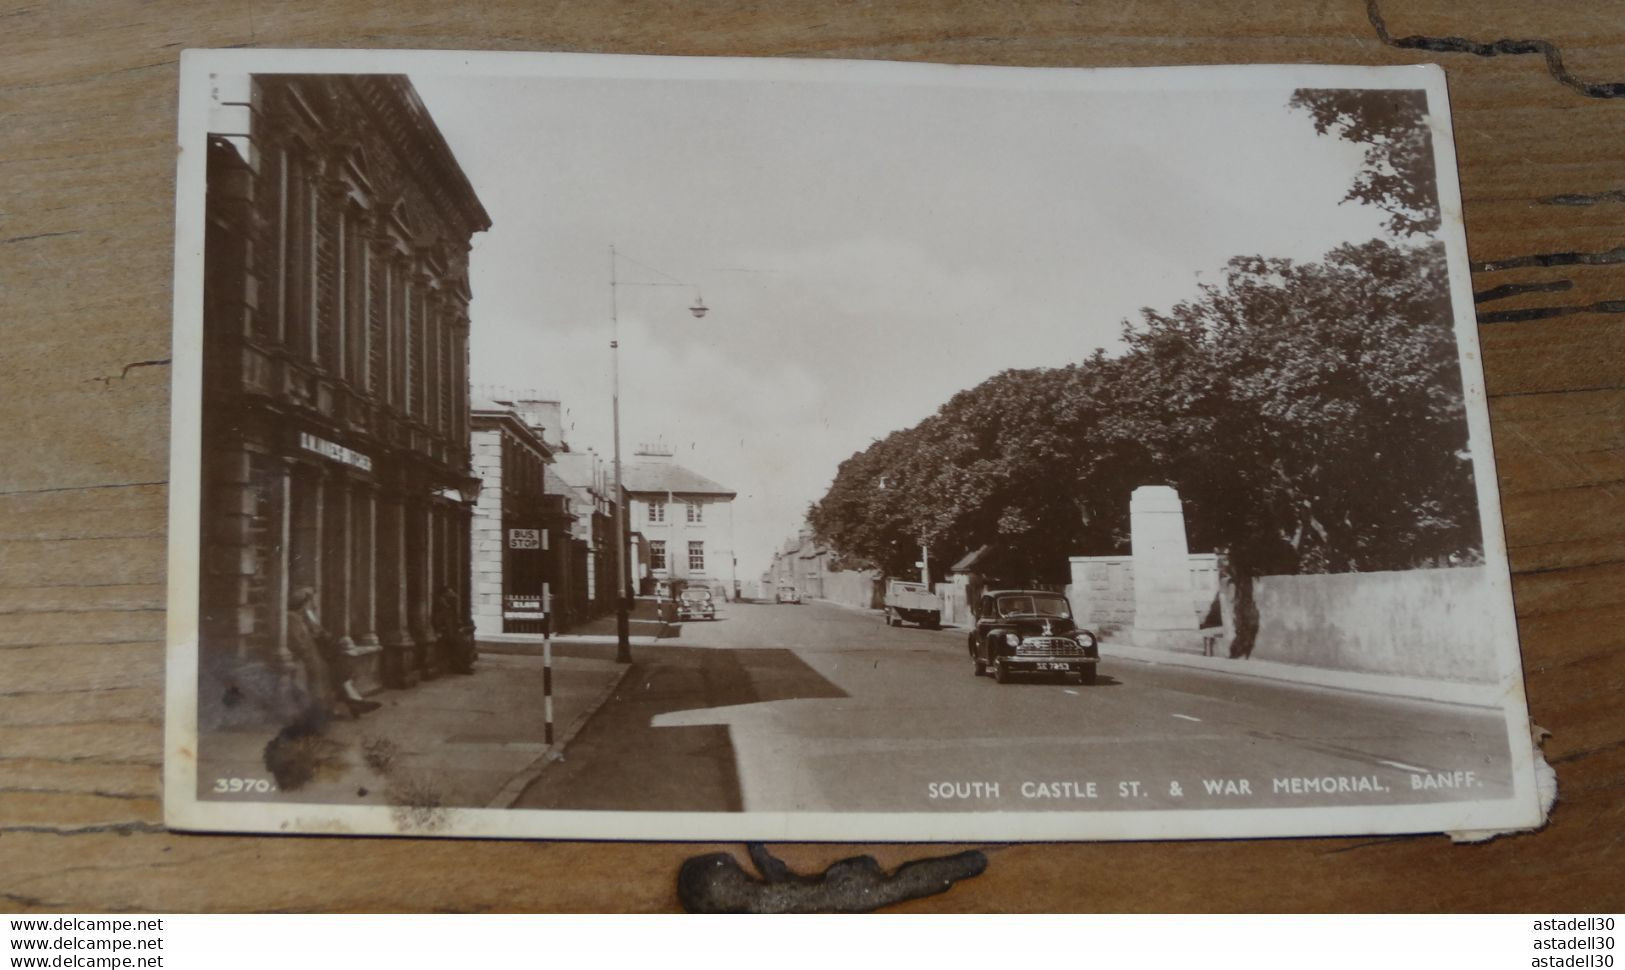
(1399, 175)
(1019, 463)
(1310, 413)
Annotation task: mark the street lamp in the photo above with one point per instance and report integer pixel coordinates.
(623, 621)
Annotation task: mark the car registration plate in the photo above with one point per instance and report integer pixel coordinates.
(1046, 665)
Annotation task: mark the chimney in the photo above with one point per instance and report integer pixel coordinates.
(656, 450)
(546, 418)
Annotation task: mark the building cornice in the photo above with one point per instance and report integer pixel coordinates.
(510, 422)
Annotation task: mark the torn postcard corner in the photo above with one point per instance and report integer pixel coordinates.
(1545, 788)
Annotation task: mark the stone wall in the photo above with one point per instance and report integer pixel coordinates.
(1102, 590)
(1440, 624)
(851, 588)
(956, 605)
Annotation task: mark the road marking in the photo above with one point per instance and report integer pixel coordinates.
(1187, 717)
(1403, 766)
(1070, 691)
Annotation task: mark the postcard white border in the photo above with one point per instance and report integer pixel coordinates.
(182, 808)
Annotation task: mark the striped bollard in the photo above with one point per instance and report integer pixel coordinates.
(547, 677)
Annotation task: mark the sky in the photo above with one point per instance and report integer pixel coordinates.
(866, 249)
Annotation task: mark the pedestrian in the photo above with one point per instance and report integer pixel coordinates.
(455, 641)
(328, 676)
(316, 696)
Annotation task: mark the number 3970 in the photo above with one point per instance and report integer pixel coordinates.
(237, 786)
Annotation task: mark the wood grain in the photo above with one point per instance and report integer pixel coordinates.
(88, 94)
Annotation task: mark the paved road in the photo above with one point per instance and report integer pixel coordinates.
(821, 708)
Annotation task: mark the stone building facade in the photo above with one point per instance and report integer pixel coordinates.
(814, 571)
(534, 483)
(685, 520)
(585, 479)
(801, 563)
(521, 549)
(336, 410)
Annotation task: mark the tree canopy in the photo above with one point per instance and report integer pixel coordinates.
(1392, 125)
(1018, 462)
(1310, 414)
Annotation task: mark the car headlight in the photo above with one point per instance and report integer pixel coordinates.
(1012, 639)
(1085, 638)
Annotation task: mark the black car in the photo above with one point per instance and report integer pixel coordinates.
(1027, 631)
(695, 603)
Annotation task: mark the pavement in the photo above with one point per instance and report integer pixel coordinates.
(1471, 695)
(456, 741)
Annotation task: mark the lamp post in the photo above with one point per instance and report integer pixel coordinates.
(623, 599)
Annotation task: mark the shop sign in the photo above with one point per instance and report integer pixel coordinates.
(523, 608)
(334, 451)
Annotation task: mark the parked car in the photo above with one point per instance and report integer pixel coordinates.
(695, 603)
(1028, 631)
(788, 594)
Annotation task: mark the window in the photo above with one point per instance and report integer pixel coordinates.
(657, 554)
(696, 557)
(296, 257)
(388, 313)
(696, 512)
(657, 511)
(356, 288)
(1033, 606)
(349, 299)
(417, 326)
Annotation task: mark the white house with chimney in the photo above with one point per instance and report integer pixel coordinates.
(686, 519)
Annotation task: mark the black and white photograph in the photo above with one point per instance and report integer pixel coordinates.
(598, 446)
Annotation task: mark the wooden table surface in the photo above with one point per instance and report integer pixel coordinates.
(88, 93)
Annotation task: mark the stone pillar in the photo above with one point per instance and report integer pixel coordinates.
(1164, 617)
(287, 672)
(340, 555)
(397, 667)
(459, 526)
(423, 608)
(364, 650)
(364, 564)
(315, 548)
(281, 586)
(228, 565)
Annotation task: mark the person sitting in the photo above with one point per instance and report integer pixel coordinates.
(324, 659)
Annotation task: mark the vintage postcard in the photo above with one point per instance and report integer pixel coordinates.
(685, 448)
